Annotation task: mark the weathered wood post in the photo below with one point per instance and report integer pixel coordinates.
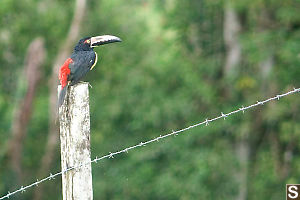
(74, 117)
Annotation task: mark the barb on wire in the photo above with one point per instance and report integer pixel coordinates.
(174, 133)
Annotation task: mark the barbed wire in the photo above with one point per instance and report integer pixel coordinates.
(111, 155)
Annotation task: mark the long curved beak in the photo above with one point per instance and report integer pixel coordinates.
(104, 39)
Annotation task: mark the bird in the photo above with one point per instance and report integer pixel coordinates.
(82, 60)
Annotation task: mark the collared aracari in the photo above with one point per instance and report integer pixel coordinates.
(82, 60)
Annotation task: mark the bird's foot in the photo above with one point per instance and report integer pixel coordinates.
(87, 83)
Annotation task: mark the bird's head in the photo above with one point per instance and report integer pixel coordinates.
(88, 43)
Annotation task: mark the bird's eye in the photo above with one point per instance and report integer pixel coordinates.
(87, 41)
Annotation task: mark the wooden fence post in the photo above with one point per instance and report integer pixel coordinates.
(74, 117)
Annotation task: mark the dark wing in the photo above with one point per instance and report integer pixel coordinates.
(81, 65)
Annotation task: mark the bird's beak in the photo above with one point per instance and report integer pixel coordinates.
(103, 39)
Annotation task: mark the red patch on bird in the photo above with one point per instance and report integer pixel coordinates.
(64, 72)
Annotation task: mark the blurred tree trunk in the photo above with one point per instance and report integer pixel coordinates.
(282, 156)
(34, 59)
(282, 153)
(231, 32)
(233, 57)
(242, 151)
(63, 53)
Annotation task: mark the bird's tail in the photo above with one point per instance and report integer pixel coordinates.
(62, 95)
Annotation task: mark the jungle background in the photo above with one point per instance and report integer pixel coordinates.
(180, 62)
